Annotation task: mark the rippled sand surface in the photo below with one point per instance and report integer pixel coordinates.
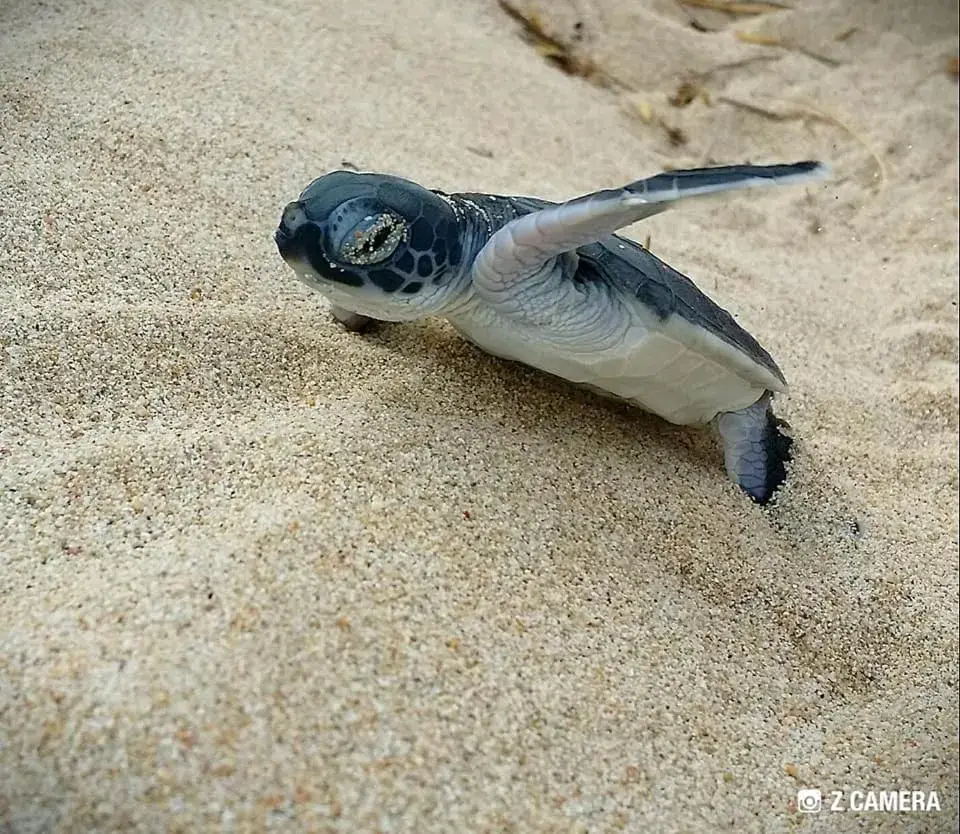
(259, 573)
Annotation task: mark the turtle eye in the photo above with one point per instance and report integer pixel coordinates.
(374, 239)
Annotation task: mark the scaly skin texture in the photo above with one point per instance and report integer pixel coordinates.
(755, 451)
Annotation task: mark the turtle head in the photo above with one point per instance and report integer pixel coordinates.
(376, 245)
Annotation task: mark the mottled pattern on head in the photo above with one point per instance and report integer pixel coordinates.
(381, 239)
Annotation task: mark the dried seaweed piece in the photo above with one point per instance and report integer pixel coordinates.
(687, 93)
(560, 54)
(746, 7)
(548, 46)
(769, 40)
(642, 109)
(758, 39)
(675, 135)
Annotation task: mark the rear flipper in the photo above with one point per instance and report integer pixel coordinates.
(755, 451)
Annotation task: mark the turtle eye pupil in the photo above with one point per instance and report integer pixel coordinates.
(380, 237)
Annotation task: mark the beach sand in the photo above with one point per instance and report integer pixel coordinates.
(258, 572)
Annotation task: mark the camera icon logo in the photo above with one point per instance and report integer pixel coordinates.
(809, 801)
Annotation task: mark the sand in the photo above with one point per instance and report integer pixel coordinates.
(259, 573)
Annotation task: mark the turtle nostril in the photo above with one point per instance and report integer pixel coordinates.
(292, 218)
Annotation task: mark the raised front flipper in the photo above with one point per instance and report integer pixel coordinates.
(522, 247)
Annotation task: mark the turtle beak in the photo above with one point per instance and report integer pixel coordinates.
(285, 236)
(283, 239)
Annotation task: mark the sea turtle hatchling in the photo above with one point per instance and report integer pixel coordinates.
(552, 286)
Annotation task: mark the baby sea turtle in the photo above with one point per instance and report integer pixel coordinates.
(552, 286)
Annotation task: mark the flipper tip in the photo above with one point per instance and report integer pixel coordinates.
(818, 170)
(777, 453)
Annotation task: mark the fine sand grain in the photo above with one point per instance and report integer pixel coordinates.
(259, 573)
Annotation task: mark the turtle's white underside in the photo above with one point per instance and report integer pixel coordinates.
(674, 369)
(671, 368)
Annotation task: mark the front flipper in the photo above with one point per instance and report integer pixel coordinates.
(522, 247)
(354, 322)
(755, 451)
